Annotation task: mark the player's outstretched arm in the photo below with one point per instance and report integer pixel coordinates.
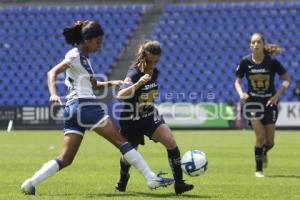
(102, 84)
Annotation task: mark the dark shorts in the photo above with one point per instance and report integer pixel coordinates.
(256, 109)
(83, 114)
(134, 130)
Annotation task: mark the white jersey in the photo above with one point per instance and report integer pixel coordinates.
(78, 75)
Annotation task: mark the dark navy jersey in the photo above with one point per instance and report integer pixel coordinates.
(141, 103)
(261, 76)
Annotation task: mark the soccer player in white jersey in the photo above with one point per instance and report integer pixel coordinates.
(82, 111)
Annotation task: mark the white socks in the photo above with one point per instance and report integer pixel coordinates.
(135, 159)
(47, 170)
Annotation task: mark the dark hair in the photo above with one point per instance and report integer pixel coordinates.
(82, 30)
(152, 47)
(271, 49)
(147, 47)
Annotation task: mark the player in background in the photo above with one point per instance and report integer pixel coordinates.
(261, 99)
(140, 117)
(82, 111)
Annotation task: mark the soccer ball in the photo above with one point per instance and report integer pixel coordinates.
(194, 163)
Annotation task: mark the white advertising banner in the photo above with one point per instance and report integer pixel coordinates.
(289, 114)
(187, 115)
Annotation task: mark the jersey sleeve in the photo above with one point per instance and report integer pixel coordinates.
(240, 69)
(279, 69)
(131, 78)
(72, 59)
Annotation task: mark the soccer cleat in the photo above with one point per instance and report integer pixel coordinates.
(259, 174)
(181, 187)
(27, 187)
(121, 185)
(265, 161)
(159, 181)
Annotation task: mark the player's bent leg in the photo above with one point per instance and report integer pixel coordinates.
(258, 149)
(134, 158)
(269, 142)
(71, 145)
(265, 160)
(270, 136)
(267, 147)
(259, 132)
(164, 135)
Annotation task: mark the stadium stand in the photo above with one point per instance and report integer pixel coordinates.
(204, 43)
(32, 42)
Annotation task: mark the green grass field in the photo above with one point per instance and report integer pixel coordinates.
(94, 172)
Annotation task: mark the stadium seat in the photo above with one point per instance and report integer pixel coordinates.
(33, 43)
(210, 39)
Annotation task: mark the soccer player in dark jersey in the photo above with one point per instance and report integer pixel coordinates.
(140, 117)
(82, 111)
(261, 99)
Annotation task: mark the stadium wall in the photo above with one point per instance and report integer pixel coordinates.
(178, 116)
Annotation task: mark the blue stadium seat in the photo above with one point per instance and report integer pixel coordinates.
(210, 39)
(34, 43)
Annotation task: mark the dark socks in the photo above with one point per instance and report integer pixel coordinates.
(267, 148)
(124, 168)
(175, 163)
(124, 176)
(258, 151)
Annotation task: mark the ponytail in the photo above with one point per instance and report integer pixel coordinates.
(73, 34)
(82, 30)
(272, 49)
